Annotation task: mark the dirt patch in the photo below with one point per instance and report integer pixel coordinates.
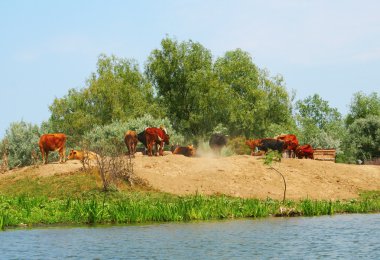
(242, 176)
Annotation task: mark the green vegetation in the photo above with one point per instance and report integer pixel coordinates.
(192, 93)
(78, 199)
(140, 207)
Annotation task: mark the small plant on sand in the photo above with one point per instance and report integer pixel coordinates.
(271, 157)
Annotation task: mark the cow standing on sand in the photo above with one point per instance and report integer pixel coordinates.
(130, 139)
(153, 136)
(52, 142)
(305, 151)
(265, 144)
(217, 142)
(290, 144)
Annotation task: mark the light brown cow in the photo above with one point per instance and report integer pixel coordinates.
(188, 151)
(82, 155)
(130, 139)
(52, 142)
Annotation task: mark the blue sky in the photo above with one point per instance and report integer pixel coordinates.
(47, 47)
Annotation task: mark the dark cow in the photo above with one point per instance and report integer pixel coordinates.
(130, 139)
(52, 142)
(188, 151)
(290, 144)
(305, 151)
(217, 142)
(154, 136)
(265, 144)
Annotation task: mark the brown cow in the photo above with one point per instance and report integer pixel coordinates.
(82, 155)
(188, 151)
(130, 139)
(156, 136)
(52, 142)
(290, 144)
(305, 151)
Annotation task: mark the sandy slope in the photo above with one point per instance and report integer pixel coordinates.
(243, 176)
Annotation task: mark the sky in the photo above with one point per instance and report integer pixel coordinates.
(331, 48)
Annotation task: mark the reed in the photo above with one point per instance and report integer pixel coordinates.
(140, 207)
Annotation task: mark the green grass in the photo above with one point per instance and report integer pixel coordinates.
(77, 199)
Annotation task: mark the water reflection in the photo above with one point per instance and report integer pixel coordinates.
(342, 236)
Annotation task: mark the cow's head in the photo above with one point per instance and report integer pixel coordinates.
(191, 150)
(253, 143)
(72, 155)
(166, 136)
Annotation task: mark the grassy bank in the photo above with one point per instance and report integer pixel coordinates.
(77, 199)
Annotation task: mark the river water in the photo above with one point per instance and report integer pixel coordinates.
(353, 236)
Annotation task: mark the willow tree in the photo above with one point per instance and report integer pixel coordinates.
(181, 72)
(117, 91)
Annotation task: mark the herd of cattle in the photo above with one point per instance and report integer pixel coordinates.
(153, 137)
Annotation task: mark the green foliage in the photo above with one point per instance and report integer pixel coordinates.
(363, 106)
(238, 146)
(363, 139)
(21, 144)
(186, 87)
(272, 156)
(109, 137)
(320, 125)
(142, 207)
(116, 92)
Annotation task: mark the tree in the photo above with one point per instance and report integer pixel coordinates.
(182, 75)
(117, 91)
(362, 106)
(363, 139)
(320, 125)
(256, 101)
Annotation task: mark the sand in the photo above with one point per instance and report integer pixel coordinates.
(241, 176)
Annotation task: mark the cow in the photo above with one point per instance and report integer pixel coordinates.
(52, 142)
(188, 151)
(82, 155)
(290, 144)
(130, 139)
(305, 151)
(265, 144)
(153, 136)
(217, 142)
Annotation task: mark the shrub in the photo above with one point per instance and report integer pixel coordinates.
(108, 136)
(21, 144)
(237, 145)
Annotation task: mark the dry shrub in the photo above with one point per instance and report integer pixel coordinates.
(238, 146)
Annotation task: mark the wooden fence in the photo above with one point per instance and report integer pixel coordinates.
(325, 154)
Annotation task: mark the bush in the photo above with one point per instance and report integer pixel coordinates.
(108, 136)
(20, 144)
(237, 145)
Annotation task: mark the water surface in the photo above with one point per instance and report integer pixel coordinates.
(353, 236)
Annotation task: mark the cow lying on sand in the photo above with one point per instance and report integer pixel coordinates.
(82, 155)
(52, 142)
(188, 151)
(265, 144)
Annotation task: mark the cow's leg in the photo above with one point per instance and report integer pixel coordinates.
(150, 147)
(46, 157)
(62, 153)
(161, 151)
(42, 154)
